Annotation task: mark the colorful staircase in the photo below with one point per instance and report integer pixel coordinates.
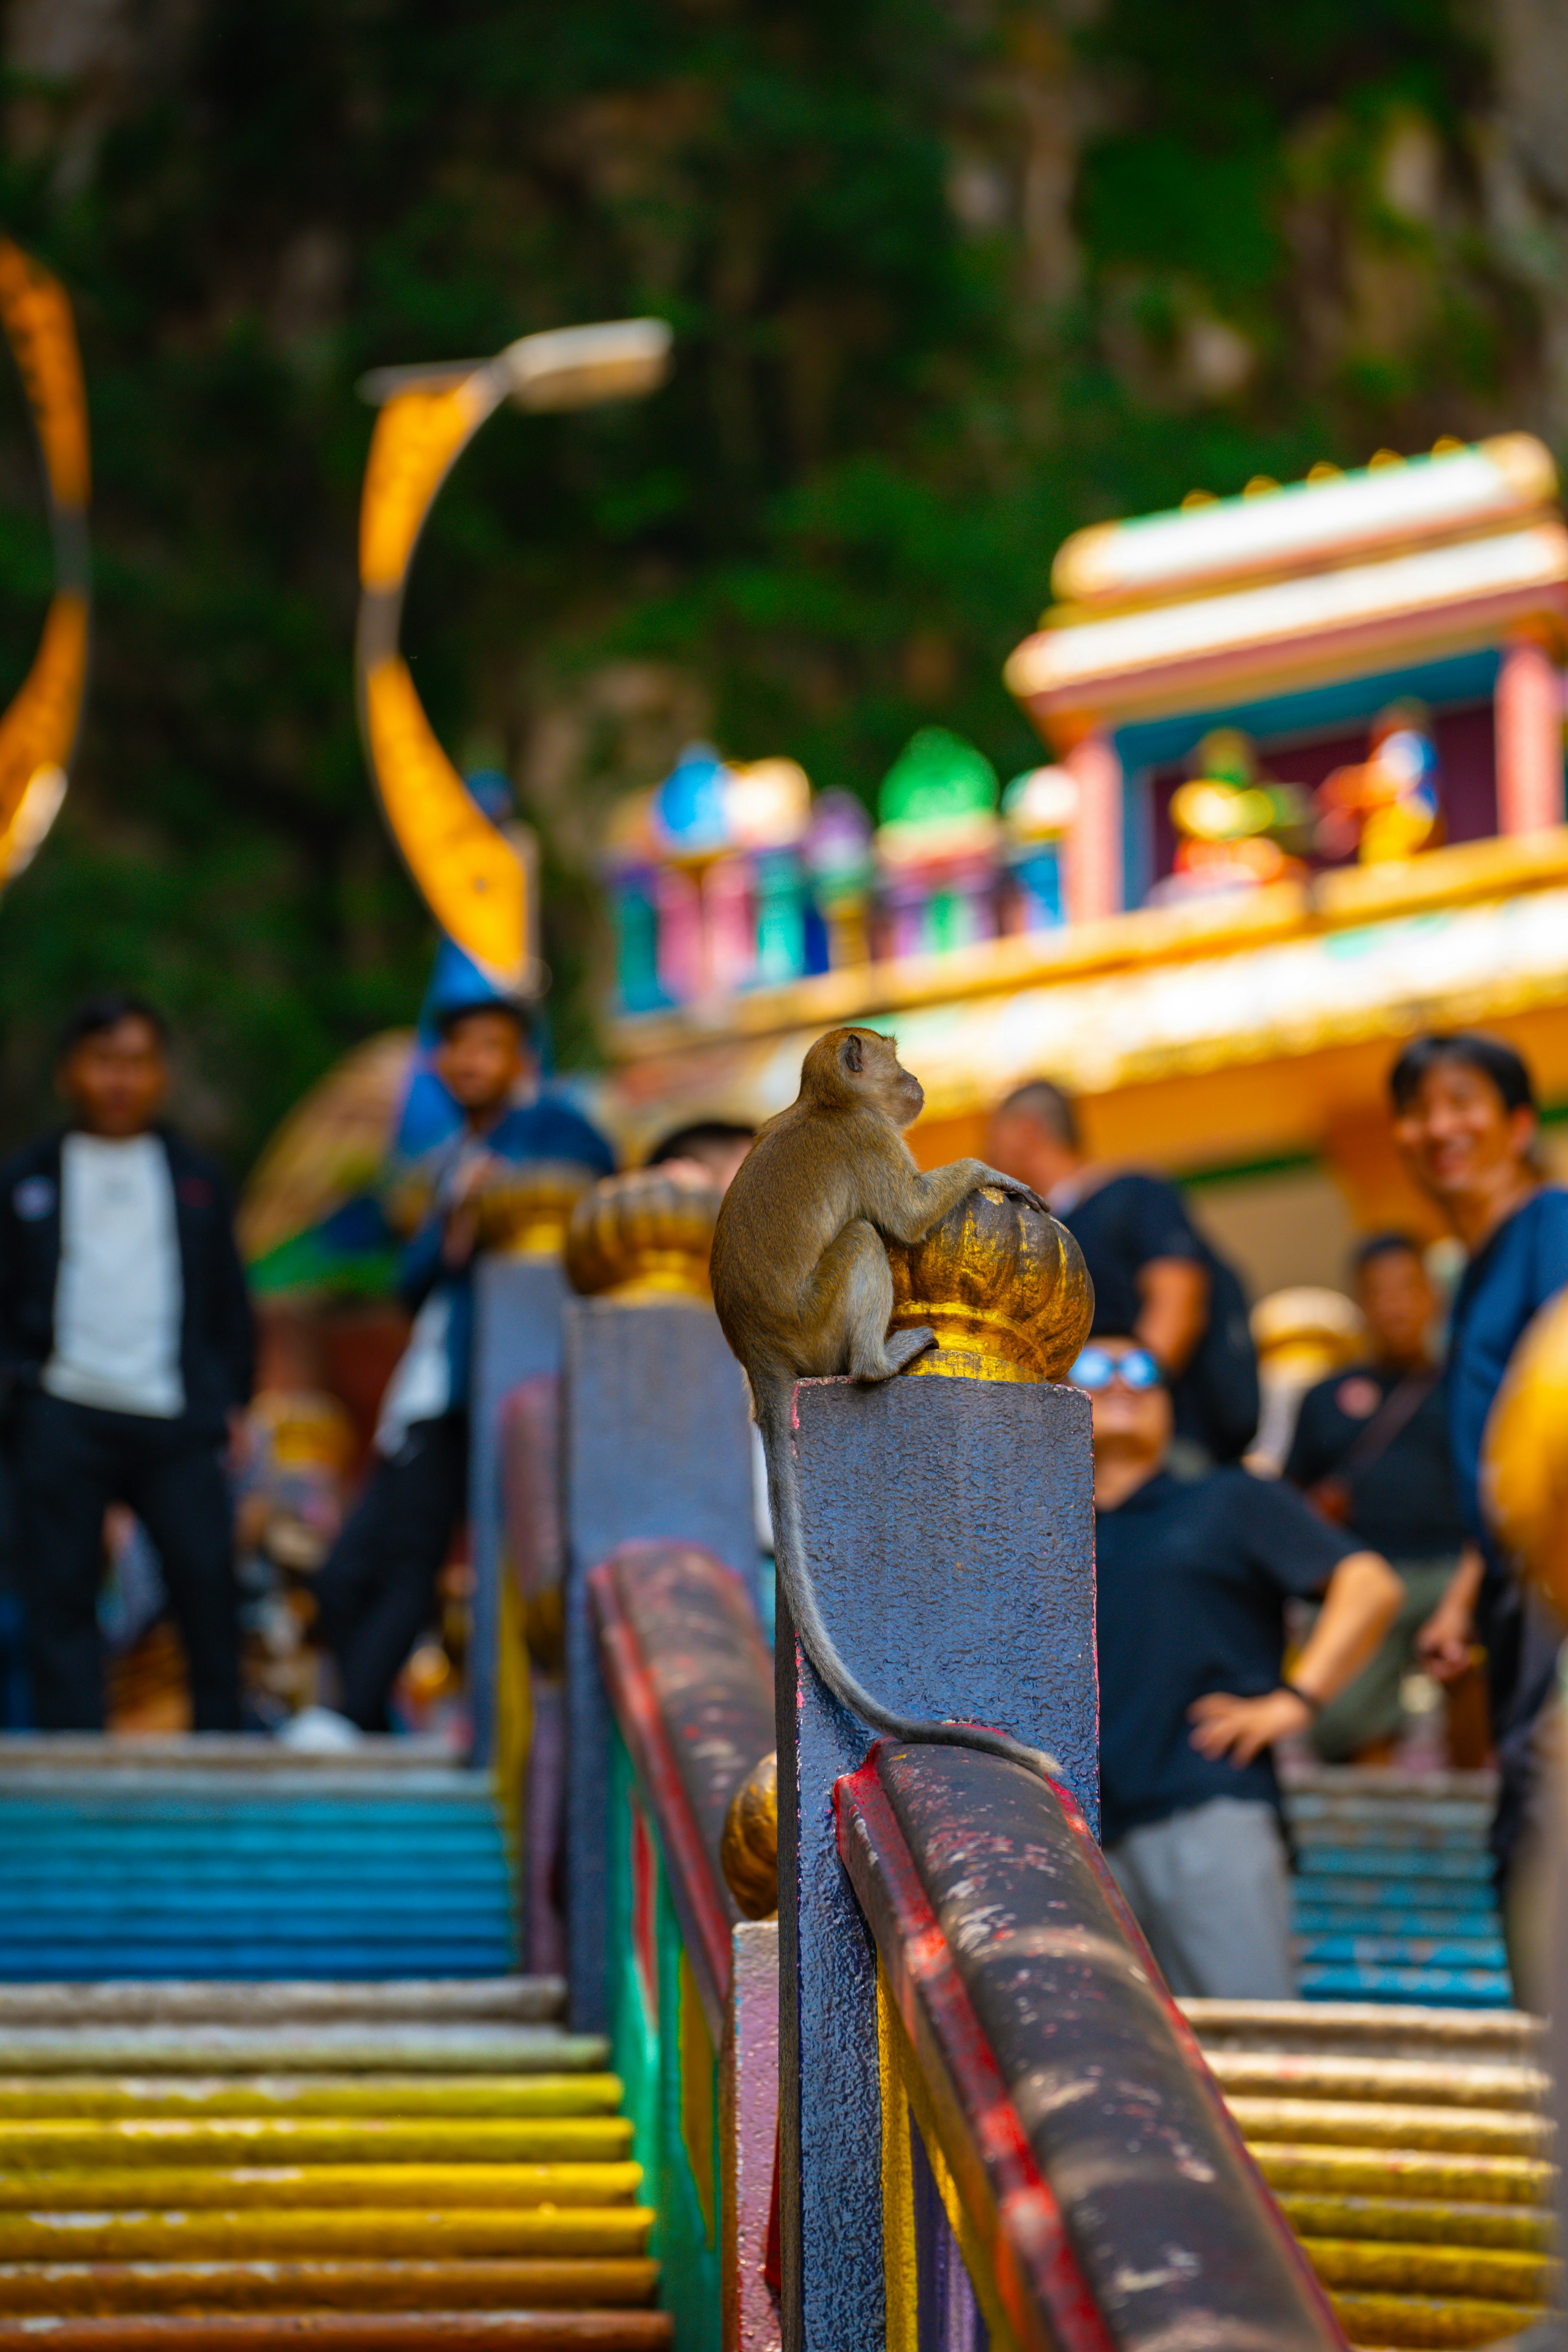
(228, 1858)
(1393, 1898)
(382, 2138)
(1410, 2151)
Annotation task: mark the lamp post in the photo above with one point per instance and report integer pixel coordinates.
(474, 876)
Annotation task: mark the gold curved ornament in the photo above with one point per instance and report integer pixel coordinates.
(476, 877)
(1524, 1455)
(38, 731)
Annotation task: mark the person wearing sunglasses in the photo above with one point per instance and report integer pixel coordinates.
(1191, 1582)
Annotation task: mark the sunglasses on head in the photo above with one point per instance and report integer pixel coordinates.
(1097, 1368)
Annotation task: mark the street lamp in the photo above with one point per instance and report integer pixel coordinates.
(473, 873)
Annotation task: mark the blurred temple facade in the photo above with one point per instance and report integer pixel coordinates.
(1304, 794)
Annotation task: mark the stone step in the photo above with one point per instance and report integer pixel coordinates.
(344, 2331)
(1423, 2081)
(430, 2188)
(1368, 2124)
(1410, 2151)
(1352, 2028)
(146, 2096)
(401, 2284)
(350, 2048)
(272, 2233)
(68, 2140)
(518, 2000)
(103, 1758)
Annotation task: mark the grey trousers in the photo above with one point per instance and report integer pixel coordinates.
(1211, 1889)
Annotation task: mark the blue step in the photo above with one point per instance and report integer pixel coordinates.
(1394, 1894)
(1407, 1951)
(1436, 1988)
(227, 1874)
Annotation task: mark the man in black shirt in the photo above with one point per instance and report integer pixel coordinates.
(1154, 1274)
(1370, 1450)
(1191, 1582)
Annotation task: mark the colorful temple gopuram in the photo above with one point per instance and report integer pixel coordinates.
(1302, 793)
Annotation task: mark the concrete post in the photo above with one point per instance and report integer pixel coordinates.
(949, 1530)
(657, 1443)
(518, 1302)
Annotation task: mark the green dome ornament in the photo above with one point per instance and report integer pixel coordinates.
(937, 778)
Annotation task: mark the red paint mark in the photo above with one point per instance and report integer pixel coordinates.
(645, 1910)
(772, 2257)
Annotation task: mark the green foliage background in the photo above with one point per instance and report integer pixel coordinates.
(941, 278)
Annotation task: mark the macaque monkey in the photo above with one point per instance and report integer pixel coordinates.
(804, 1290)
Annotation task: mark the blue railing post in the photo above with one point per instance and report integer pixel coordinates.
(657, 1443)
(949, 1530)
(518, 1302)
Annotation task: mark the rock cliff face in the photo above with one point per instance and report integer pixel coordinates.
(947, 277)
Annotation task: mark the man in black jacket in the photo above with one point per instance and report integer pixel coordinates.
(127, 1344)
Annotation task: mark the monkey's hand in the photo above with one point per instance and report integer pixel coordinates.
(1014, 1187)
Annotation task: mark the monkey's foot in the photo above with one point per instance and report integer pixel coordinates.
(903, 1346)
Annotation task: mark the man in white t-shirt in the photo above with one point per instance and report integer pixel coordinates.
(127, 1345)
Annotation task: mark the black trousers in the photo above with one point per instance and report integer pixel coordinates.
(376, 1591)
(72, 1461)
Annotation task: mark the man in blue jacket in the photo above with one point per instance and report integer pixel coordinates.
(127, 1350)
(376, 1591)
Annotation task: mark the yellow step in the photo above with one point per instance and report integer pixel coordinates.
(93, 2235)
(1407, 2221)
(1477, 2274)
(1413, 2082)
(428, 2186)
(54, 2143)
(1427, 2323)
(345, 2331)
(107, 2097)
(84, 2288)
(1462, 2131)
(1398, 2172)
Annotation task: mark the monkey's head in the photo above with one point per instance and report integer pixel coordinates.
(856, 1066)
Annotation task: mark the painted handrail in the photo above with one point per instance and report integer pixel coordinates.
(1100, 2192)
(691, 1683)
(693, 1990)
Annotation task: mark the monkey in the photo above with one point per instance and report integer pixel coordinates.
(804, 1290)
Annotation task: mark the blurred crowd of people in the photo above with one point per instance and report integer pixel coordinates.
(1377, 1522)
(1239, 1612)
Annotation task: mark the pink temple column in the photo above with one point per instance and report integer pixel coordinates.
(1528, 718)
(1094, 876)
(749, 2097)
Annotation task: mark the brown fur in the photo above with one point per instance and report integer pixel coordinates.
(800, 1262)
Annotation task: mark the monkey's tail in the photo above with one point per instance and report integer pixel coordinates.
(772, 1406)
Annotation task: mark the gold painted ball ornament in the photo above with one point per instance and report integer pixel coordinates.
(1004, 1287)
(647, 1235)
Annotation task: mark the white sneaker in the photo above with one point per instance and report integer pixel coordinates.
(318, 1730)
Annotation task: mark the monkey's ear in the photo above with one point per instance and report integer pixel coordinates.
(854, 1053)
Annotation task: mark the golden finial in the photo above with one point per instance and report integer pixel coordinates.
(749, 1846)
(1324, 471)
(1198, 498)
(1004, 1287)
(1381, 457)
(645, 1235)
(1258, 486)
(1446, 446)
(1524, 1455)
(524, 1210)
